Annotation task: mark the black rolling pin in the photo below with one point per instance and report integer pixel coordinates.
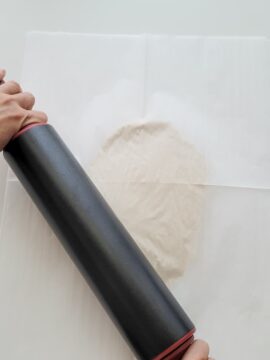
(139, 303)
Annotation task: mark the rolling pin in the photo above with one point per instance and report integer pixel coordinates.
(139, 303)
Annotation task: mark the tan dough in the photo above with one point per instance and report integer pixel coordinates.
(149, 175)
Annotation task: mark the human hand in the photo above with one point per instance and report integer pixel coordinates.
(15, 110)
(199, 350)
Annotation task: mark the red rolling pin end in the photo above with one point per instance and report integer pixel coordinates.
(27, 127)
(178, 349)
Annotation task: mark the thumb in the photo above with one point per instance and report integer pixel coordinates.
(199, 350)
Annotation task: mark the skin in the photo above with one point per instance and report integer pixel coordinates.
(199, 350)
(16, 111)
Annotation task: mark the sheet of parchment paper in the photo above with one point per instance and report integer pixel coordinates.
(215, 91)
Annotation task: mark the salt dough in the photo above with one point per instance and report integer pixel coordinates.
(151, 178)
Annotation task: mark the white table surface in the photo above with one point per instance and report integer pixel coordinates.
(189, 17)
(183, 17)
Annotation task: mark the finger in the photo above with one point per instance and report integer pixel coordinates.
(10, 88)
(25, 100)
(199, 350)
(35, 116)
(2, 74)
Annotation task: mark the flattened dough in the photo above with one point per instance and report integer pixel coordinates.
(151, 178)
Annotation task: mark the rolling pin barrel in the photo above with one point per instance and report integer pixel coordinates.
(139, 303)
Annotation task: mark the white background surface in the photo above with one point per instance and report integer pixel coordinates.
(189, 17)
(209, 17)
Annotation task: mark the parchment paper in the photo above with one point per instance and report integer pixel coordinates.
(216, 92)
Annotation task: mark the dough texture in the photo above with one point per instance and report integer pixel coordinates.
(151, 178)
